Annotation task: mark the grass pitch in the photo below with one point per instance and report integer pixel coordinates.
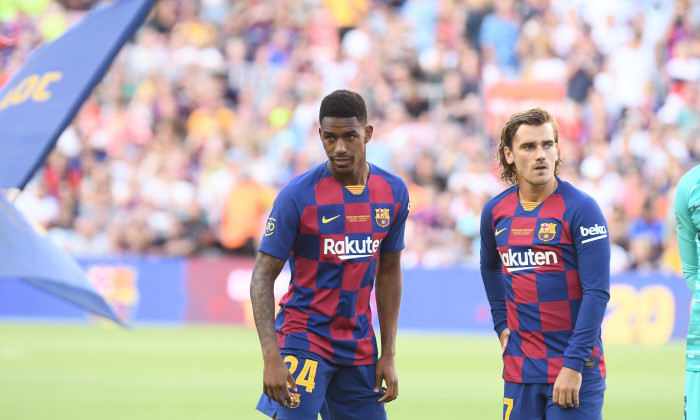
(87, 372)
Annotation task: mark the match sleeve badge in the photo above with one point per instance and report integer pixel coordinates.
(547, 231)
(381, 216)
(270, 226)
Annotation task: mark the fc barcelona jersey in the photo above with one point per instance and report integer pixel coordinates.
(332, 239)
(546, 272)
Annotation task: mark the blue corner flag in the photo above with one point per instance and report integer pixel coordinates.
(33, 258)
(36, 105)
(41, 99)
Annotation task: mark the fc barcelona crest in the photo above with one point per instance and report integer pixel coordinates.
(547, 231)
(296, 400)
(382, 217)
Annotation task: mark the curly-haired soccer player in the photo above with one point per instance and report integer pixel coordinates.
(545, 264)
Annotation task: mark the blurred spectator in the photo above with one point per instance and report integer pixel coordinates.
(646, 234)
(245, 214)
(84, 240)
(476, 10)
(37, 204)
(499, 34)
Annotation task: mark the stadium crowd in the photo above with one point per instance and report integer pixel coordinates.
(213, 106)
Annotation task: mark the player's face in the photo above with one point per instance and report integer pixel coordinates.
(344, 140)
(534, 153)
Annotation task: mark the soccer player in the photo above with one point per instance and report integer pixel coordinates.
(339, 225)
(545, 264)
(686, 206)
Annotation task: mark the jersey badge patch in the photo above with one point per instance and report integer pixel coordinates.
(381, 216)
(296, 400)
(547, 231)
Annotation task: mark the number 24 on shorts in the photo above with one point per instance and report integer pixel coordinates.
(308, 373)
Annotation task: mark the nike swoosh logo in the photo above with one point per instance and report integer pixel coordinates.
(499, 231)
(324, 220)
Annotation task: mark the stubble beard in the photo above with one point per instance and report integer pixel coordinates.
(535, 179)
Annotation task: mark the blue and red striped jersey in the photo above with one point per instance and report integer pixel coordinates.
(547, 278)
(332, 239)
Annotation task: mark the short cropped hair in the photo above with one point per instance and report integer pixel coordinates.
(535, 117)
(343, 104)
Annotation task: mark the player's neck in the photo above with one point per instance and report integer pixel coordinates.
(357, 177)
(536, 193)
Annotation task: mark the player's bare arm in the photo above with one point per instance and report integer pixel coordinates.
(276, 375)
(388, 293)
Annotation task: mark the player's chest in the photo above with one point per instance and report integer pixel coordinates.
(346, 232)
(348, 218)
(526, 231)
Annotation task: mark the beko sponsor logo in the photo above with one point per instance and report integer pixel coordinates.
(599, 231)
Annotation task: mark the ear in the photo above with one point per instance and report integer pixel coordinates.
(508, 155)
(368, 133)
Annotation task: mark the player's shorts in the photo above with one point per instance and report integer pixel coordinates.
(534, 402)
(337, 392)
(691, 408)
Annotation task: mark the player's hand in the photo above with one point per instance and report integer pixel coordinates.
(385, 370)
(566, 388)
(503, 338)
(276, 381)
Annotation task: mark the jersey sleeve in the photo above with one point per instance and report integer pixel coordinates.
(282, 225)
(491, 274)
(686, 230)
(394, 240)
(590, 237)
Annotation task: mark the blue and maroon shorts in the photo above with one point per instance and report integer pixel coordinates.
(337, 392)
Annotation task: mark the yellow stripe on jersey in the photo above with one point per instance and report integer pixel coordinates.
(355, 189)
(529, 205)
